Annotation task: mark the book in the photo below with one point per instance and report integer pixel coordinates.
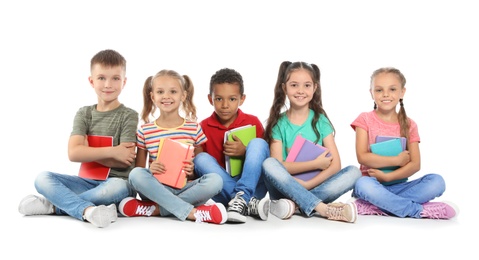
(304, 150)
(94, 170)
(246, 133)
(389, 147)
(172, 154)
(381, 138)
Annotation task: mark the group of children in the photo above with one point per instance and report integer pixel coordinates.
(267, 183)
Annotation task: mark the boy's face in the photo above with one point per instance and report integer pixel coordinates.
(108, 82)
(226, 99)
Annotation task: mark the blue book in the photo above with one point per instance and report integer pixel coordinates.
(390, 147)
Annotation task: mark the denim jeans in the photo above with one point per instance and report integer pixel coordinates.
(250, 181)
(71, 194)
(281, 184)
(172, 201)
(403, 199)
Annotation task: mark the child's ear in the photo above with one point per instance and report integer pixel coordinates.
(210, 99)
(403, 92)
(243, 97)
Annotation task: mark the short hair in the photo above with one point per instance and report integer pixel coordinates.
(108, 58)
(226, 75)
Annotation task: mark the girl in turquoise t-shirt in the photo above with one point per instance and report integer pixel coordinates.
(299, 82)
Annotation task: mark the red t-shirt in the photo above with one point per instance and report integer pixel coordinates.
(215, 133)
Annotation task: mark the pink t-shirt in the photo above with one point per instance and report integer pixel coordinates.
(370, 122)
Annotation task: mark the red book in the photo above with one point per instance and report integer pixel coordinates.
(172, 154)
(94, 170)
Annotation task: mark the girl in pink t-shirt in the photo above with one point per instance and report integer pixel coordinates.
(390, 192)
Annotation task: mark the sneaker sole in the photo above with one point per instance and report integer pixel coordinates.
(291, 210)
(354, 211)
(236, 217)
(263, 209)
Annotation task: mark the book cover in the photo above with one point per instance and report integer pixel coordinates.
(172, 154)
(382, 138)
(388, 147)
(94, 170)
(246, 133)
(304, 150)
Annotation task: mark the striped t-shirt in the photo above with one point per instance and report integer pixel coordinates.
(148, 136)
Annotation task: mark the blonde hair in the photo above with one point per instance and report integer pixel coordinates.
(186, 84)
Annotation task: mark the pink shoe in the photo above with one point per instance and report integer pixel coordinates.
(439, 210)
(366, 208)
(131, 207)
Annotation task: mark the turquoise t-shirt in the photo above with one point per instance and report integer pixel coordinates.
(286, 132)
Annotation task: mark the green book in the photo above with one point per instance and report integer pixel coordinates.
(246, 133)
(392, 147)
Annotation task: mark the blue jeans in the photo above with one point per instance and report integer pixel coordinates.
(250, 181)
(71, 194)
(403, 199)
(172, 201)
(281, 184)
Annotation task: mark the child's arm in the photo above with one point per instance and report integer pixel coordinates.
(121, 156)
(367, 158)
(413, 166)
(329, 165)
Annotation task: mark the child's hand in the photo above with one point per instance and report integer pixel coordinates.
(125, 153)
(157, 167)
(322, 161)
(188, 167)
(234, 148)
(403, 158)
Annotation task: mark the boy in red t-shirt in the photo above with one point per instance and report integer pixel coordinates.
(244, 194)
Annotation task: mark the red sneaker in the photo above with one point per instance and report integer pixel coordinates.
(131, 207)
(215, 213)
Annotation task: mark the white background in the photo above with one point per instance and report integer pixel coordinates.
(45, 52)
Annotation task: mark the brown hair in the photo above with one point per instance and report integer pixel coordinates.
(108, 58)
(279, 100)
(186, 85)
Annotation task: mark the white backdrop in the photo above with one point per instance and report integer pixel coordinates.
(46, 47)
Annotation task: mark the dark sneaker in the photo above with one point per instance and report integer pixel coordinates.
(259, 208)
(237, 209)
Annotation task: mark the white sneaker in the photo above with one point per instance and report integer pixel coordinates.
(282, 208)
(101, 216)
(35, 205)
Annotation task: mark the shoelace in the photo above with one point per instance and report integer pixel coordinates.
(145, 210)
(253, 206)
(366, 208)
(238, 203)
(435, 211)
(336, 212)
(202, 216)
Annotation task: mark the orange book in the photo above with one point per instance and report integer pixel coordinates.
(94, 170)
(172, 154)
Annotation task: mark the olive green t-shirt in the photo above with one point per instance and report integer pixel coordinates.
(120, 123)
